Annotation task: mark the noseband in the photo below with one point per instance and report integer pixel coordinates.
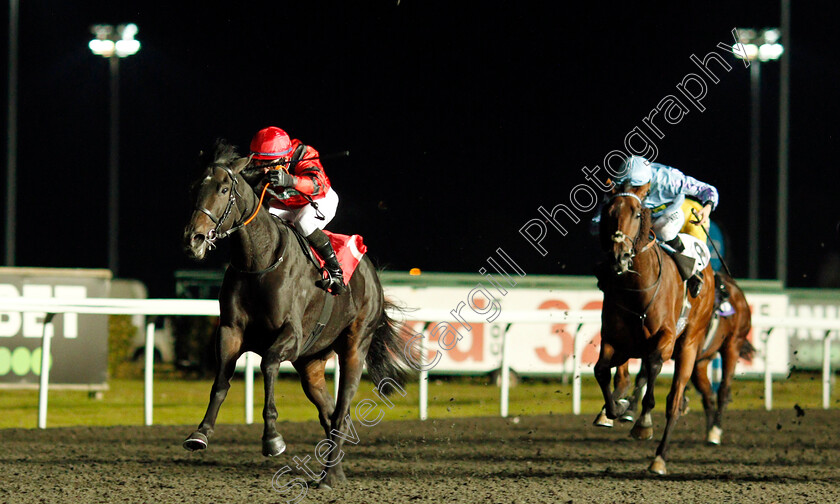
(213, 235)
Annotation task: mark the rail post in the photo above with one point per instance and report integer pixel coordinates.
(44, 386)
(149, 371)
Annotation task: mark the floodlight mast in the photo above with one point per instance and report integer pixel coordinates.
(114, 43)
(756, 46)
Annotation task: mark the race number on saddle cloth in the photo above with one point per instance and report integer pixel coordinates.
(695, 249)
(301, 194)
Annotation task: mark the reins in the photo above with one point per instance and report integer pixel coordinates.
(214, 234)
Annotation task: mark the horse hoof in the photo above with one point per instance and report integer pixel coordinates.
(658, 466)
(629, 416)
(713, 437)
(273, 447)
(196, 441)
(622, 405)
(641, 433)
(602, 421)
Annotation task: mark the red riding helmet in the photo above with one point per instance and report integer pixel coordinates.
(271, 143)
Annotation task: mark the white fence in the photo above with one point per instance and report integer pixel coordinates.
(48, 307)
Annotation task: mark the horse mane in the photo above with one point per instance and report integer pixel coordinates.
(644, 229)
(223, 153)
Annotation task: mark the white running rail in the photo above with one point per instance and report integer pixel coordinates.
(762, 325)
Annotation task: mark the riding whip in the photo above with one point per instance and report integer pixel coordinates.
(713, 244)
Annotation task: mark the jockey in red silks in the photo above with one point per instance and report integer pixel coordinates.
(300, 193)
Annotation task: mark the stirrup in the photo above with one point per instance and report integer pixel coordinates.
(332, 284)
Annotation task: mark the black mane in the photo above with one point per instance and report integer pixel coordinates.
(222, 153)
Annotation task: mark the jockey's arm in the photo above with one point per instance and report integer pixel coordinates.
(309, 178)
(679, 183)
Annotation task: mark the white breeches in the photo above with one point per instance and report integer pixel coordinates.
(669, 224)
(306, 218)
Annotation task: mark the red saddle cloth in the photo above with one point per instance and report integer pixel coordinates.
(349, 251)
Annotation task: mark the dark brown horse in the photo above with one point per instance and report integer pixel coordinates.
(644, 297)
(270, 305)
(730, 340)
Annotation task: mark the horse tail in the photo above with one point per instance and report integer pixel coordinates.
(388, 355)
(747, 350)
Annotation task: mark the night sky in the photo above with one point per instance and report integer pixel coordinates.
(461, 119)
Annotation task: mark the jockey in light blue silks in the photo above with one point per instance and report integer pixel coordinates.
(670, 210)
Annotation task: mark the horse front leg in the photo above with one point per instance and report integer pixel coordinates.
(272, 442)
(603, 372)
(228, 350)
(643, 428)
(683, 367)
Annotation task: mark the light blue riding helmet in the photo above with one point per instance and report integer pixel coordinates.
(637, 171)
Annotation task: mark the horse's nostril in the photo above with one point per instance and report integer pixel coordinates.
(197, 238)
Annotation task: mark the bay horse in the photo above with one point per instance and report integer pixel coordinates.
(269, 305)
(730, 340)
(644, 296)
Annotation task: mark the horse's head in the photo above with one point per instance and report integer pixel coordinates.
(625, 223)
(215, 195)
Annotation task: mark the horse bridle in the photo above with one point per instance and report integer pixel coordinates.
(213, 235)
(619, 237)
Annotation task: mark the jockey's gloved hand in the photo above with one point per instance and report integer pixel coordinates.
(280, 178)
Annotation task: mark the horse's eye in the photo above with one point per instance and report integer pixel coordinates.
(224, 190)
(639, 215)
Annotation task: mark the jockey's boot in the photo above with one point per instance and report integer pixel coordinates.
(321, 243)
(685, 265)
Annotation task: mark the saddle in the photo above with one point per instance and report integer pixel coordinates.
(349, 249)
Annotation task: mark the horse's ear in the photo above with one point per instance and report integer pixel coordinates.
(240, 164)
(643, 190)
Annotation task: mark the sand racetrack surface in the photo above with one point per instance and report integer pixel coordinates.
(778, 456)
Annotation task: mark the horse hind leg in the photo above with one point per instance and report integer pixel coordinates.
(639, 388)
(729, 358)
(351, 362)
(700, 379)
(602, 420)
(621, 383)
(643, 428)
(603, 371)
(314, 382)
